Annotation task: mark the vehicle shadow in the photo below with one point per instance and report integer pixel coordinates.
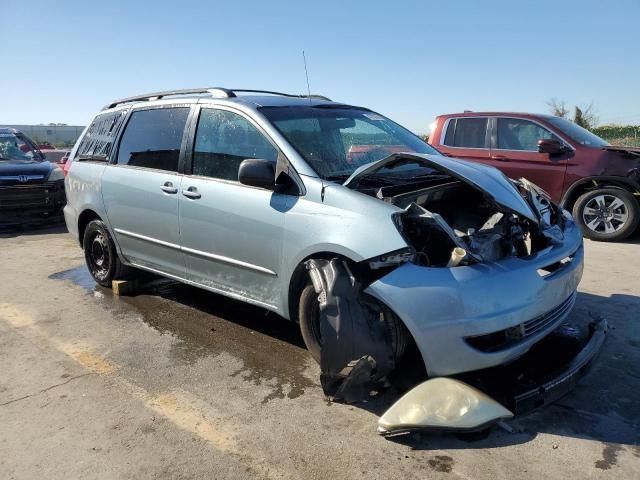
(20, 231)
(602, 407)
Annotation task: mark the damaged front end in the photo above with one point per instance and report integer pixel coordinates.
(464, 214)
(491, 267)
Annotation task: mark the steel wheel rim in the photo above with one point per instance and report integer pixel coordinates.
(99, 258)
(605, 213)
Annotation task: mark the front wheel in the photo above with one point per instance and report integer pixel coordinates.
(607, 214)
(309, 316)
(100, 254)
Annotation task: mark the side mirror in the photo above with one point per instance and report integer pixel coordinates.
(257, 172)
(552, 147)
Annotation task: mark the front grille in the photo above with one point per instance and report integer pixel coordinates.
(496, 341)
(14, 196)
(540, 323)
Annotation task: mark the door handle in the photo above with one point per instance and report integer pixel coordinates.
(191, 192)
(168, 187)
(500, 158)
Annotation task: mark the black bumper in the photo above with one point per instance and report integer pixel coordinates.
(550, 370)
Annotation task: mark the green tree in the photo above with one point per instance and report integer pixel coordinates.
(579, 119)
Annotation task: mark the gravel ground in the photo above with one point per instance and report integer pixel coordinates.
(180, 383)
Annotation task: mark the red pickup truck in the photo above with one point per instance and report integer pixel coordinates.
(598, 182)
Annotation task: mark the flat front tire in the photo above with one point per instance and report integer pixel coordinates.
(607, 214)
(100, 254)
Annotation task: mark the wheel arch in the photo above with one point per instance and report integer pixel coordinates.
(84, 219)
(299, 280)
(596, 182)
(299, 277)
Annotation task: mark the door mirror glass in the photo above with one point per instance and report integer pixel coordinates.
(257, 172)
(551, 146)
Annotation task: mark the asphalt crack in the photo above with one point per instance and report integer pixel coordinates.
(44, 390)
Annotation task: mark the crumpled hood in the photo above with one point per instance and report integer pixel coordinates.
(490, 181)
(25, 167)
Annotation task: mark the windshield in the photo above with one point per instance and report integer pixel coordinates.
(12, 147)
(336, 140)
(575, 131)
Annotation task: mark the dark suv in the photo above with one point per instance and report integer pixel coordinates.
(31, 188)
(600, 183)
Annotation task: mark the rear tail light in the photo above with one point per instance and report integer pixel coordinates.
(66, 167)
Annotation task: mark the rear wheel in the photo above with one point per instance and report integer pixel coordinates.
(309, 316)
(100, 254)
(607, 214)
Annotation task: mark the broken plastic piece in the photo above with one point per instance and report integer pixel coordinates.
(456, 257)
(441, 404)
(356, 351)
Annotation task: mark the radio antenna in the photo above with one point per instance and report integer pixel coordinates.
(306, 73)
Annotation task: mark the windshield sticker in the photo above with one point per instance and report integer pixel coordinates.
(373, 116)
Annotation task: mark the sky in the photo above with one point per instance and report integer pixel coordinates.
(409, 60)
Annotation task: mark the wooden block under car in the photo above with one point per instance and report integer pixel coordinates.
(124, 287)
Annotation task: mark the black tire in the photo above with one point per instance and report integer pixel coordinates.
(309, 317)
(607, 214)
(100, 254)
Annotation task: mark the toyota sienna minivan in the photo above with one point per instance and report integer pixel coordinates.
(236, 191)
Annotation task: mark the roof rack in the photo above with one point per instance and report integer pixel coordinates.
(213, 91)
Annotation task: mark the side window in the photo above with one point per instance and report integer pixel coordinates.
(223, 140)
(152, 138)
(98, 141)
(518, 134)
(467, 133)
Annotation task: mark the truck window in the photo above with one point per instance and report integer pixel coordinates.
(520, 134)
(467, 133)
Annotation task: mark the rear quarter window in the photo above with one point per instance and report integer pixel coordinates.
(97, 142)
(467, 132)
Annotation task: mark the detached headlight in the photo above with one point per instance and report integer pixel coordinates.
(56, 174)
(442, 404)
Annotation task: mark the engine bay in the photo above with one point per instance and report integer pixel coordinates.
(448, 222)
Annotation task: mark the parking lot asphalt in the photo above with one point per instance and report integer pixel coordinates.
(175, 382)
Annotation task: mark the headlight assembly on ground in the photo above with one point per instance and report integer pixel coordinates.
(441, 404)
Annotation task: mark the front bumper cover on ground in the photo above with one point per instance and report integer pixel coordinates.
(475, 401)
(549, 371)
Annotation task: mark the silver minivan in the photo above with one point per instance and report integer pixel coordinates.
(236, 191)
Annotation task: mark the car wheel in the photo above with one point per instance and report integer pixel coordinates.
(309, 316)
(607, 214)
(100, 254)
